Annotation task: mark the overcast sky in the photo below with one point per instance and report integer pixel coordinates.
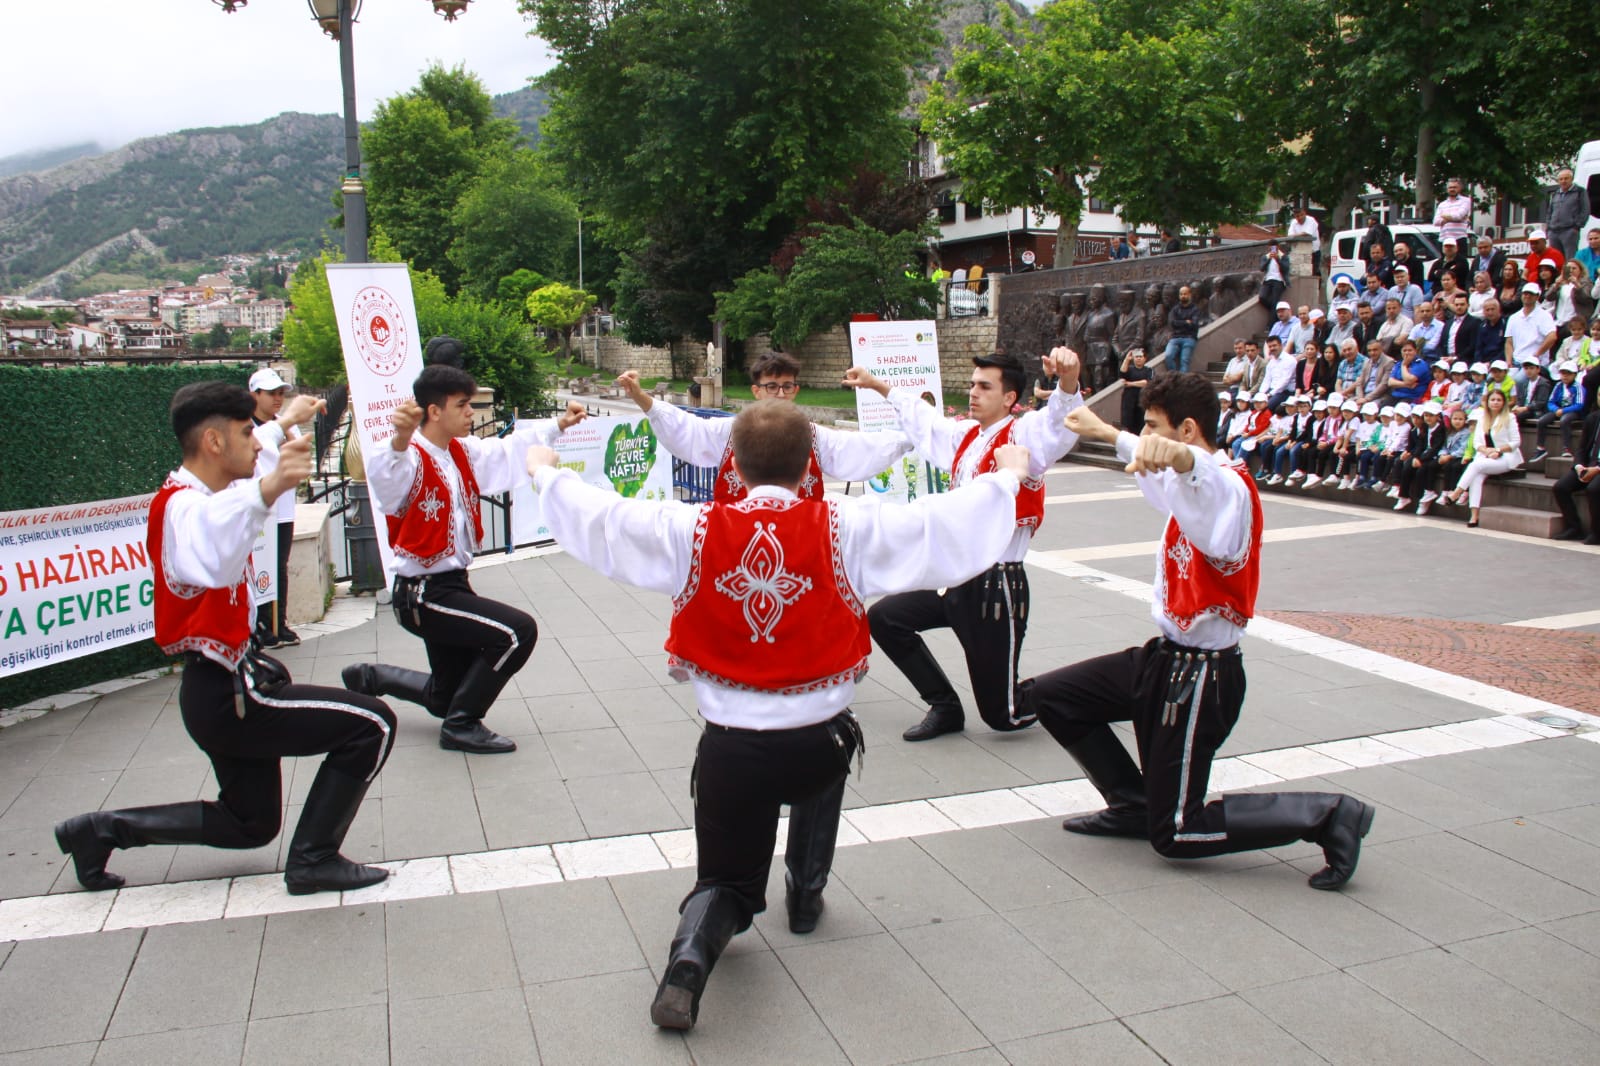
(115, 70)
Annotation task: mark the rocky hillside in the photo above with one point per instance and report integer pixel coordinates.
(189, 196)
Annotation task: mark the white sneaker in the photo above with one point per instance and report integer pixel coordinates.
(1275, 479)
(1422, 508)
(1429, 496)
(1347, 483)
(1402, 503)
(1297, 475)
(1393, 494)
(1312, 482)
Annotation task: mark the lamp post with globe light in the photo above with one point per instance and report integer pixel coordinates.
(337, 17)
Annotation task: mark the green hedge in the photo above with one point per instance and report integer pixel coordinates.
(95, 433)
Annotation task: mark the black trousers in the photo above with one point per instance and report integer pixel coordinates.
(1181, 713)
(274, 614)
(474, 644)
(246, 750)
(741, 778)
(1567, 489)
(990, 617)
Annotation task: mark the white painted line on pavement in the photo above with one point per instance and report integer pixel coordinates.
(1561, 621)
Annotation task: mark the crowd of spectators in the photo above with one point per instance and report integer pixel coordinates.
(1417, 383)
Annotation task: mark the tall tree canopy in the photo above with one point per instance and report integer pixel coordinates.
(699, 131)
(514, 217)
(422, 151)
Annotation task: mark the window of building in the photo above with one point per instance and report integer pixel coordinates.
(1101, 207)
(945, 204)
(974, 211)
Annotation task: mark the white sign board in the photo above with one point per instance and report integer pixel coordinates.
(382, 345)
(74, 579)
(617, 453)
(264, 563)
(905, 356)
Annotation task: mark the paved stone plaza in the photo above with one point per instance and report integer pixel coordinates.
(533, 895)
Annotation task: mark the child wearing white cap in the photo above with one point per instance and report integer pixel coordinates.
(1407, 439)
(1320, 459)
(1256, 426)
(1477, 381)
(1306, 461)
(1446, 469)
(1565, 405)
(1348, 446)
(1370, 435)
(1296, 438)
(1426, 447)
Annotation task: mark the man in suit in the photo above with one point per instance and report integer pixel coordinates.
(1585, 477)
(1490, 260)
(1460, 333)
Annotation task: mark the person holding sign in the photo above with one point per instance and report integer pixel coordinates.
(1183, 689)
(989, 613)
(768, 623)
(427, 484)
(813, 825)
(277, 422)
(239, 705)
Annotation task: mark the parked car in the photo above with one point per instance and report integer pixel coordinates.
(1344, 251)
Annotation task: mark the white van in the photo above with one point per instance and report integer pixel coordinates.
(1342, 254)
(1586, 174)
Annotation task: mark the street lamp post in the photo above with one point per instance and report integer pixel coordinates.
(337, 19)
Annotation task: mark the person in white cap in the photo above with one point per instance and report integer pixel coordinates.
(1565, 406)
(1285, 323)
(1368, 435)
(1427, 445)
(1531, 331)
(1279, 450)
(1257, 427)
(1496, 447)
(1530, 391)
(1456, 392)
(1183, 690)
(1407, 291)
(1406, 439)
(1305, 459)
(1477, 383)
(278, 421)
(1322, 460)
(1500, 379)
(1225, 415)
(1540, 253)
(1347, 448)
(1344, 294)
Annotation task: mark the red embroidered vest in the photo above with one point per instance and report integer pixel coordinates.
(1198, 585)
(424, 530)
(213, 622)
(767, 606)
(730, 489)
(1030, 498)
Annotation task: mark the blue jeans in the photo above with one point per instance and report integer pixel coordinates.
(1179, 351)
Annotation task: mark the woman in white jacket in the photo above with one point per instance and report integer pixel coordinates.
(1496, 446)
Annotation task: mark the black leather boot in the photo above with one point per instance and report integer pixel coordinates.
(1113, 772)
(90, 838)
(1334, 822)
(710, 918)
(314, 863)
(928, 678)
(808, 856)
(377, 679)
(463, 728)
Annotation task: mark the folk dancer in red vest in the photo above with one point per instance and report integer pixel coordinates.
(428, 484)
(708, 442)
(768, 623)
(989, 613)
(1183, 689)
(237, 704)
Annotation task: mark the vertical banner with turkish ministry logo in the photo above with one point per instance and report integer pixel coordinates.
(382, 351)
(905, 356)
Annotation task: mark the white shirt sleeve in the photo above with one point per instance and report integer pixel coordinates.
(642, 542)
(389, 476)
(695, 440)
(932, 542)
(500, 463)
(1045, 434)
(934, 436)
(858, 456)
(208, 536)
(1211, 504)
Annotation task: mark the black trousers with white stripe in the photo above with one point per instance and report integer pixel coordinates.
(459, 628)
(246, 750)
(989, 615)
(1177, 737)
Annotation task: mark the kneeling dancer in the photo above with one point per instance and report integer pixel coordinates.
(239, 705)
(1183, 689)
(769, 625)
(427, 482)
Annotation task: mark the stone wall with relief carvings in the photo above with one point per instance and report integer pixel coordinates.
(824, 357)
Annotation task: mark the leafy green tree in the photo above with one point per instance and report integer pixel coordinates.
(514, 217)
(513, 289)
(423, 150)
(217, 336)
(731, 115)
(560, 308)
(310, 331)
(848, 270)
(1103, 97)
(751, 306)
